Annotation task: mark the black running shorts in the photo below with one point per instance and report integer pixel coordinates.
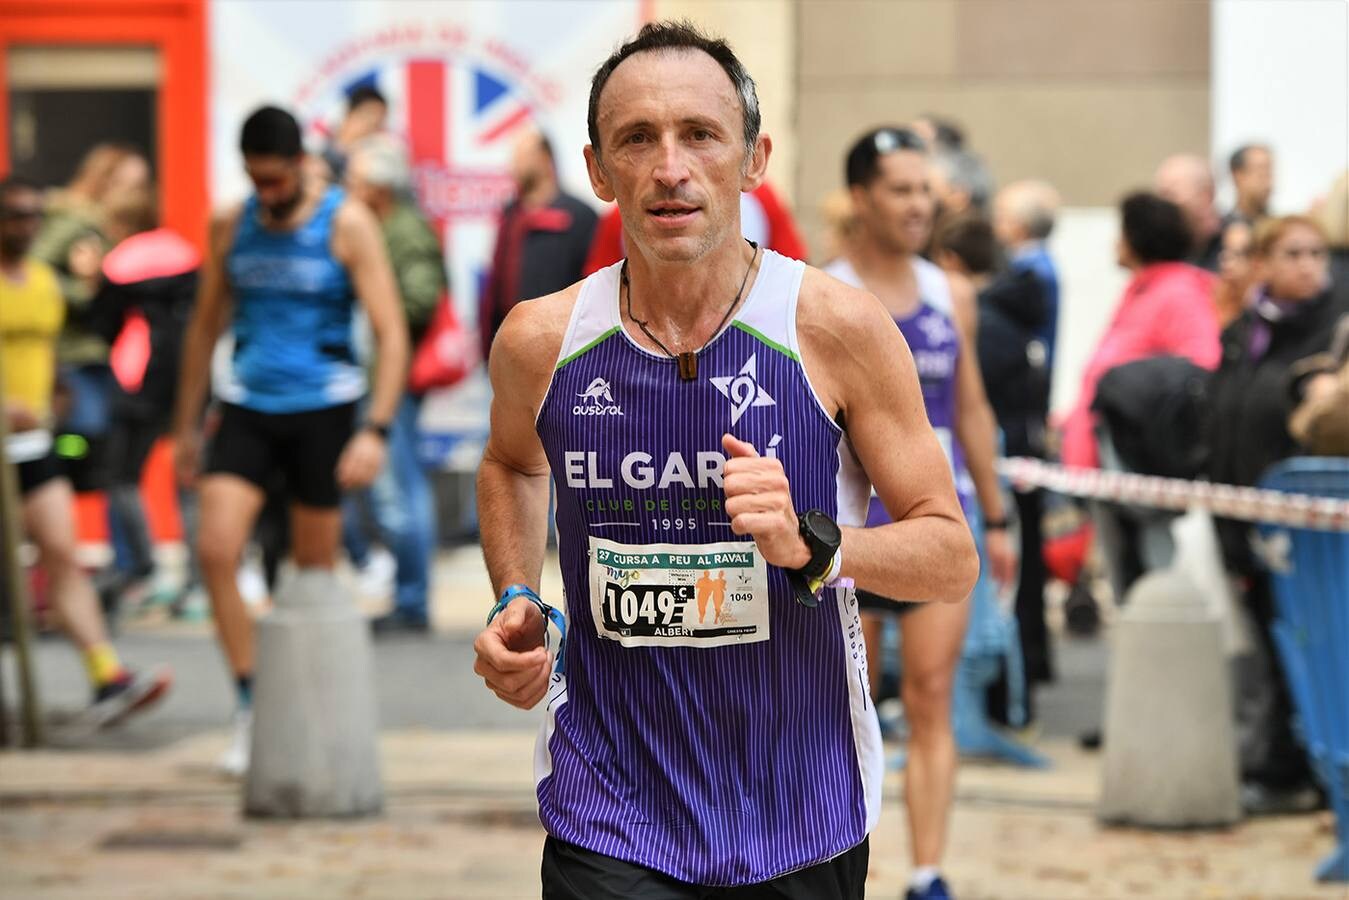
(876, 603)
(303, 447)
(37, 472)
(572, 873)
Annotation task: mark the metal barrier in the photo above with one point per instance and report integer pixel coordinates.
(1310, 572)
(1301, 510)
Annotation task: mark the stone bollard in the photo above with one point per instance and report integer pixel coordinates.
(1170, 742)
(315, 733)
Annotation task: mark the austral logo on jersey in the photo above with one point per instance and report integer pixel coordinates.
(743, 389)
(597, 400)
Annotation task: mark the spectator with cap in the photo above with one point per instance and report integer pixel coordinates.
(543, 240)
(1252, 168)
(1023, 219)
(1187, 181)
(1294, 316)
(400, 498)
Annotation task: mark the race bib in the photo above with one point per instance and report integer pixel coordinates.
(678, 595)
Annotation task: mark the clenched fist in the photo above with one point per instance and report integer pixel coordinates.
(511, 655)
(759, 504)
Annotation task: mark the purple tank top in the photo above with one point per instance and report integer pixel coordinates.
(931, 335)
(704, 723)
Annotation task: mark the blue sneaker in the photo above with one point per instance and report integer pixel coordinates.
(937, 890)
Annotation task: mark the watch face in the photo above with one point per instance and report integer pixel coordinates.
(825, 529)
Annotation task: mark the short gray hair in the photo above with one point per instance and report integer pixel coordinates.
(967, 172)
(385, 162)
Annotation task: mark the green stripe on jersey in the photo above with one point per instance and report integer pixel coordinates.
(774, 344)
(588, 347)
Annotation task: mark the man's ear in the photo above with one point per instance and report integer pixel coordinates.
(756, 166)
(599, 180)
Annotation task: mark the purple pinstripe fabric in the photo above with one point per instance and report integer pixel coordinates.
(718, 766)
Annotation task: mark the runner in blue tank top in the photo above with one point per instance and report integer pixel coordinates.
(886, 171)
(710, 414)
(284, 273)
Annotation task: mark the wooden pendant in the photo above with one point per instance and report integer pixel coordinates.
(688, 366)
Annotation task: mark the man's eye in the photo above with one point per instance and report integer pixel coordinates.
(636, 137)
(702, 134)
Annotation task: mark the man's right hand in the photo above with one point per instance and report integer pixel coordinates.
(511, 656)
(187, 455)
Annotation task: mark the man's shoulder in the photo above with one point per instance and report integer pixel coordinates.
(533, 330)
(838, 307)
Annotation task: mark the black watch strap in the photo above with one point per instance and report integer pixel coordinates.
(380, 429)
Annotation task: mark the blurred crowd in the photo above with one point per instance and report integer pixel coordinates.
(1225, 353)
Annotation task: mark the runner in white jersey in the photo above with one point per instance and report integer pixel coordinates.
(708, 412)
(887, 179)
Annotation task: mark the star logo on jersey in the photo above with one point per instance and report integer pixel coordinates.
(743, 389)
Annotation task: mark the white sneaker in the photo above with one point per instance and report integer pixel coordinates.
(376, 576)
(234, 761)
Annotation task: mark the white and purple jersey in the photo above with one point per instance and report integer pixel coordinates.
(930, 332)
(704, 724)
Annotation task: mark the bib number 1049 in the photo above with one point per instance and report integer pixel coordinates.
(641, 606)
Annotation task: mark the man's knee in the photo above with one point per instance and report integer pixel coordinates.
(927, 696)
(217, 555)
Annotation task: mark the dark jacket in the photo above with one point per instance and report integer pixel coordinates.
(1250, 400)
(1014, 361)
(538, 252)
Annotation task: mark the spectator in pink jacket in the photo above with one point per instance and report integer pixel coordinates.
(1167, 310)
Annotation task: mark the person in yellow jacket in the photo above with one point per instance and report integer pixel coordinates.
(31, 314)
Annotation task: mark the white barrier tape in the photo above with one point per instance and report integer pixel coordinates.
(1246, 503)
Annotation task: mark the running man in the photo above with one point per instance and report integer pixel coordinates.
(284, 271)
(887, 175)
(31, 313)
(749, 394)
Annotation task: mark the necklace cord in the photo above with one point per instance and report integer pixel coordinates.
(641, 323)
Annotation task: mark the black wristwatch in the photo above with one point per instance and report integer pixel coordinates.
(823, 538)
(380, 429)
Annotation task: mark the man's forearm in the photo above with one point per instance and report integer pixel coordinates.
(912, 559)
(513, 520)
(391, 366)
(977, 432)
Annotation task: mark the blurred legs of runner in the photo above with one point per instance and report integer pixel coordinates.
(229, 509)
(932, 637)
(48, 520)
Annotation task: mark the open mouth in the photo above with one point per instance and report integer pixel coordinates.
(671, 210)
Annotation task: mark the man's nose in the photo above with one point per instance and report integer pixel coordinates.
(671, 168)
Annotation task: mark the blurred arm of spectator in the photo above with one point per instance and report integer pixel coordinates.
(378, 176)
(977, 431)
(74, 248)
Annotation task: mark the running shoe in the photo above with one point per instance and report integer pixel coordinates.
(937, 890)
(234, 761)
(132, 693)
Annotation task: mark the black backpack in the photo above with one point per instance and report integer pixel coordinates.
(1155, 410)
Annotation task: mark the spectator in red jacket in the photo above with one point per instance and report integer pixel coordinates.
(1167, 310)
(764, 219)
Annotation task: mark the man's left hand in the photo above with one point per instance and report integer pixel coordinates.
(759, 504)
(361, 460)
(1002, 556)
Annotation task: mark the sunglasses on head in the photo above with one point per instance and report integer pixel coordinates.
(888, 140)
